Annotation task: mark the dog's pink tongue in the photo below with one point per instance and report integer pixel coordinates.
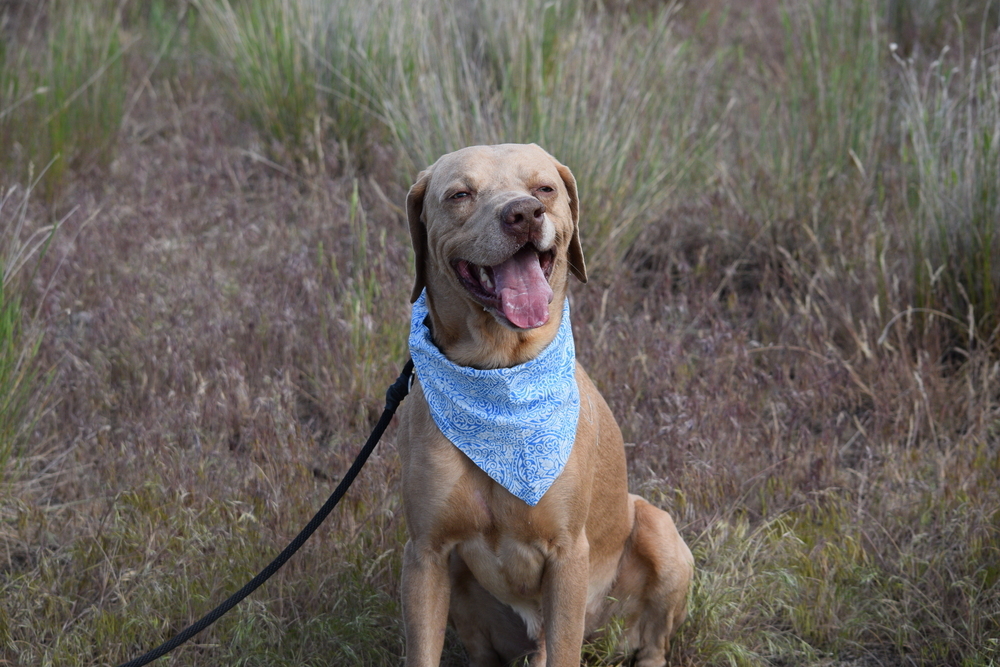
(524, 292)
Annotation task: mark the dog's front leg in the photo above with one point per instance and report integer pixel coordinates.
(426, 594)
(565, 602)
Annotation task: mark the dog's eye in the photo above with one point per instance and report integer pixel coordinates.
(546, 189)
(460, 195)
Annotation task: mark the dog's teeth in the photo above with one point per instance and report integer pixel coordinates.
(484, 278)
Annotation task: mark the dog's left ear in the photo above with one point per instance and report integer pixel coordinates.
(418, 231)
(575, 253)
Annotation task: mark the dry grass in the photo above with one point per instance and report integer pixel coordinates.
(218, 337)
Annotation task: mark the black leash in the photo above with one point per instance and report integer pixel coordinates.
(393, 397)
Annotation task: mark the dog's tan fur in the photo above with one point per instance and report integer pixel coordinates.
(514, 579)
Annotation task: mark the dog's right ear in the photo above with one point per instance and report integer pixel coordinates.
(418, 231)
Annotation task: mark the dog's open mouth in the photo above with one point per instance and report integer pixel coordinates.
(517, 288)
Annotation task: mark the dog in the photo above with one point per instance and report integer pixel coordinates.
(524, 568)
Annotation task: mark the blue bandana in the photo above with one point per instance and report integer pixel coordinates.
(517, 424)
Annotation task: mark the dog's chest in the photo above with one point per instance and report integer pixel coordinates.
(508, 568)
(505, 543)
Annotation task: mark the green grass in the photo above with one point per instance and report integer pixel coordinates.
(264, 46)
(578, 83)
(951, 124)
(113, 565)
(15, 377)
(354, 295)
(823, 113)
(435, 81)
(821, 584)
(20, 247)
(62, 100)
(792, 235)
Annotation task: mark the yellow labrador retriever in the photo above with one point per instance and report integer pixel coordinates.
(533, 573)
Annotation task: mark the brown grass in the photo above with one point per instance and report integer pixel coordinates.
(218, 338)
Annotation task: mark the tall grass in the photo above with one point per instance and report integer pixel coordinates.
(922, 27)
(818, 118)
(19, 337)
(63, 103)
(353, 291)
(950, 117)
(264, 46)
(16, 375)
(600, 94)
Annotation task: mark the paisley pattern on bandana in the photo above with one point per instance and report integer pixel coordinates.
(517, 424)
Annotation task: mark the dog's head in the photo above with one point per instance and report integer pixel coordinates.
(495, 230)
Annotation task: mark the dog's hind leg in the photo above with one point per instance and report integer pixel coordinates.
(653, 580)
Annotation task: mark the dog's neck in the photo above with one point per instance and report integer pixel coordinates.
(474, 338)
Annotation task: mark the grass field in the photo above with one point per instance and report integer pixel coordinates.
(791, 211)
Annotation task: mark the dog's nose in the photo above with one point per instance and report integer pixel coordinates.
(522, 215)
